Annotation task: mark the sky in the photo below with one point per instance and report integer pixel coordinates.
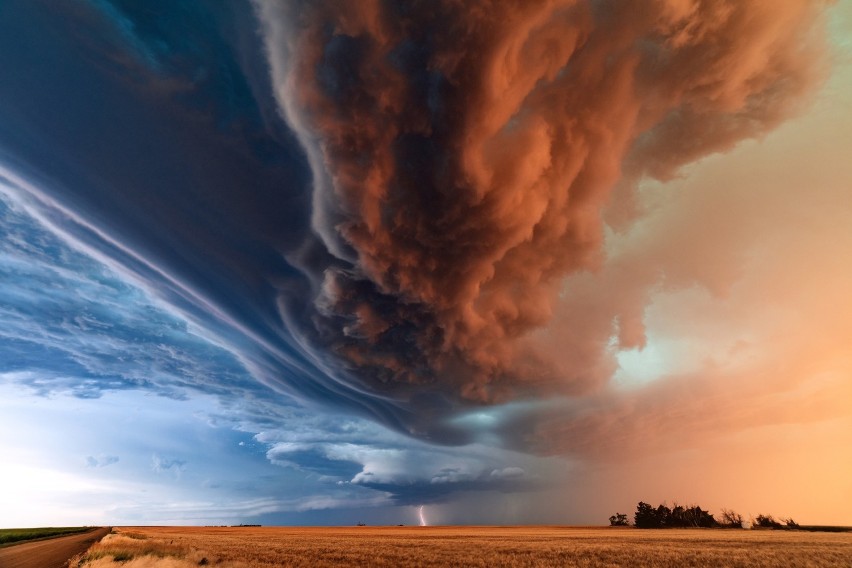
(317, 263)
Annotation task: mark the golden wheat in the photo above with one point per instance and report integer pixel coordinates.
(268, 547)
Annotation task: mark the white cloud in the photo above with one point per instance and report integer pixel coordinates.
(507, 473)
(161, 464)
(101, 460)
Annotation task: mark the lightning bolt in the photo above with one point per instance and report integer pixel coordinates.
(422, 518)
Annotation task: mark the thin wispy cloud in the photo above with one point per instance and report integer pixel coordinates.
(162, 464)
(101, 460)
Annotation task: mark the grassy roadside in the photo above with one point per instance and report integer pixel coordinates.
(9, 537)
(133, 549)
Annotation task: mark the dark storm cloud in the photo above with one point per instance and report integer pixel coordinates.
(388, 247)
(464, 154)
(174, 164)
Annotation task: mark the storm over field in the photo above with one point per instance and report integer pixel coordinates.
(284, 261)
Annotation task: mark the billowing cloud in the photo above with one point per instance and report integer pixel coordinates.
(463, 158)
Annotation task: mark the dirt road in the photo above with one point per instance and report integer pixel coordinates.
(50, 553)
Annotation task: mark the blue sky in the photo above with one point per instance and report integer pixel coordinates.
(115, 409)
(218, 307)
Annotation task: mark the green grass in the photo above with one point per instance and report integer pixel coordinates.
(11, 536)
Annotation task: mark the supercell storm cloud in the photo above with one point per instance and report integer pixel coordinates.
(463, 156)
(394, 208)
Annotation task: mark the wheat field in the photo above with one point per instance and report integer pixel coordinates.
(268, 547)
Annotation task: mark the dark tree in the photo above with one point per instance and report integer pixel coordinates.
(731, 519)
(766, 522)
(647, 517)
(619, 520)
(678, 516)
(790, 523)
(695, 516)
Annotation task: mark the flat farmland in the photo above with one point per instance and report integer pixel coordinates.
(267, 547)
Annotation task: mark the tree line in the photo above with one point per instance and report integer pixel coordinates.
(693, 516)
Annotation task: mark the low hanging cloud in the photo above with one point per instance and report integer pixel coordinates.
(464, 159)
(409, 472)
